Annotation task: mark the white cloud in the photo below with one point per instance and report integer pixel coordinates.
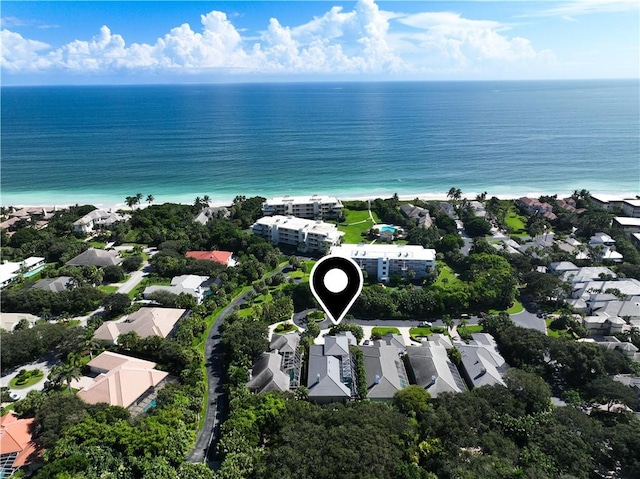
(361, 40)
(462, 43)
(568, 10)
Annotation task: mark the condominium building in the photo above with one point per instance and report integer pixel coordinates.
(385, 260)
(312, 207)
(307, 235)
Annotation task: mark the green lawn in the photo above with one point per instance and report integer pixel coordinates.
(285, 328)
(383, 330)
(420, 332)
(445, 273)
(108, 289)
(516, 222)
(354, 232)
(557, 333)
(470, 329)
(97, 244)
(35, 378)
(515, 309)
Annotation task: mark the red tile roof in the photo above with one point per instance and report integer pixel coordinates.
(221, 257)
(15, 436)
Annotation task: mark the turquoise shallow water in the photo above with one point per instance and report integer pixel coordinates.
(64, 145)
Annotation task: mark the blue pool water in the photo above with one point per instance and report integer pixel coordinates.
(151, 405)
(390, 229)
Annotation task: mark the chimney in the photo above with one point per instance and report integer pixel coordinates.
(250, 373)
(377, 380)
(318, 378)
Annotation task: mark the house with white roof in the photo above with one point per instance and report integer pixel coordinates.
(10, 270)
(625, 286)
(307, 235)
(588, 273)
(431, 369)
(331, 375)
(384, 260)
(627, 224)
(97, 219)
(190, 284)
(310, 207)
(631, 208)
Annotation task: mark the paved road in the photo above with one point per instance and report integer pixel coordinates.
(204, 449)
(45, 364)
(135, 279)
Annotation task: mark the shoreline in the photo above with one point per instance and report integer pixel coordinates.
(216, 202)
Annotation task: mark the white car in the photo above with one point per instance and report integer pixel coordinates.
(14, 396)
(425, 324)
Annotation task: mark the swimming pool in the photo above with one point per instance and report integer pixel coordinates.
(387, 228)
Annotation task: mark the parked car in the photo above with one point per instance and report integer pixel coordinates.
(425, 324)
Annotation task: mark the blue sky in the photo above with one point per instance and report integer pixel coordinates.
(172, 42)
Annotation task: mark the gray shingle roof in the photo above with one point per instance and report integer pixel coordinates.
(385, 370)
(56, 285)
(433, 370)
(267, 375)
(96, 257)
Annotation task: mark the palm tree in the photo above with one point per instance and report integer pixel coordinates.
(71, 372)
(138, 198)
(454, 193)
(463, 323)
(130, 201)
(447, 320)
(206, 199)
(150, 199)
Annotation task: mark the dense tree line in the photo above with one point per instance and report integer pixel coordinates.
(43, 303)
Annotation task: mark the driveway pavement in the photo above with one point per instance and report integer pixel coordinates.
(43, 365)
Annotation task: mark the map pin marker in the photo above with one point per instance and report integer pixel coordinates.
(336, 283)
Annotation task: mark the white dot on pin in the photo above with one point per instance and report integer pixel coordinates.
(335, 280)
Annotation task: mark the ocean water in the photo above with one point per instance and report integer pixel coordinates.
(65, 145)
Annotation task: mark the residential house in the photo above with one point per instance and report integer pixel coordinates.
(96, 257)
(210, 212)
(395, 340)
(279, 368)
(602, 325)
(608, 205)
(605, 242)
(478, 209)
(418, 214)
(57, 285)
(613, 343)
(310, 207)
(120, 380)
(563, 267)
(145, 322)
(613, 306)
(586, 274)
(385, 260)
(267, 375)
(481, 363)
(10, 271)
(624, 287)
(17, 449)
(627, 224)
(635, 239)
(306, 235)
(331, 375)
(447, 208)
(286, 345)
(190, 284)
(534, 206)
(224, 258)
(631, 208)
(432, 370)
(385, 371)
(97, 219)
(8, 321)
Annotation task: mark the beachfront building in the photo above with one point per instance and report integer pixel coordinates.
(384, 260)
(418, 214)
(627, 224)
(97, 219)
(306, 235)
(631, 208)
(311, 207)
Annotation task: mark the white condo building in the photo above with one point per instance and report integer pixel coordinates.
(312, 207)
(314, 235)
(385, 260)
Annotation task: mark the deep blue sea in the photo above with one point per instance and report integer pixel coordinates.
(64, 145)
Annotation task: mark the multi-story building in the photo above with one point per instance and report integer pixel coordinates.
(312, 207)
(385, 260)
(306, 235)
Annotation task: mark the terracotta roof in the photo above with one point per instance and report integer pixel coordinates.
(122, 385)
(221, 257)
(15, 436)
